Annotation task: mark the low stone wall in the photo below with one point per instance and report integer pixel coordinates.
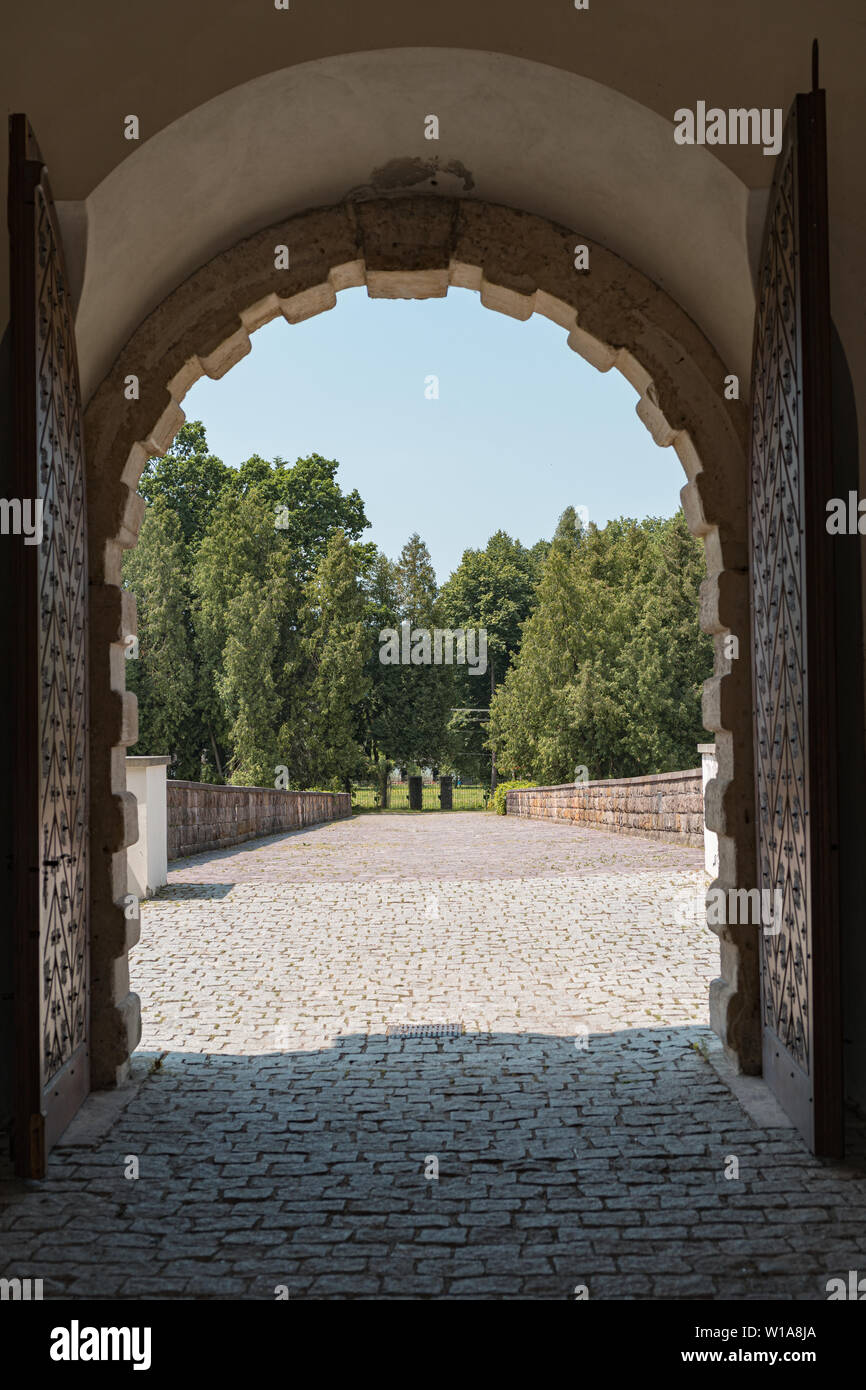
(204, 817)
(664, 806)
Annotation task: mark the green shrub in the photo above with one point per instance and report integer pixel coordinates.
(499, 795)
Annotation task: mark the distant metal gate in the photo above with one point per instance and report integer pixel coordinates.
(51, 759)
(793, 656)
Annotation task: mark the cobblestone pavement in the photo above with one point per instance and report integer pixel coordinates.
(581, 1125)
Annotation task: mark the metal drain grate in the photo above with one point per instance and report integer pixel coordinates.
(425, 1030)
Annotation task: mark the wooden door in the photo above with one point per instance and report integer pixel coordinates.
(50, 846)
(794, 640)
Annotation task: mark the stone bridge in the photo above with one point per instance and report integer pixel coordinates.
(301, 1117)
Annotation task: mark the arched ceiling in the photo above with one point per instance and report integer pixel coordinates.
(77, 70)
(511, 132)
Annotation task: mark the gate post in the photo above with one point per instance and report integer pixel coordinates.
(445, 793)
(416, 794)
(147, 859)
(709, 769)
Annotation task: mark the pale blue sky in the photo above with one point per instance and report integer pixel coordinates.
(522, 428)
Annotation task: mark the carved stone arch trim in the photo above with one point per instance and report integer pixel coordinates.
(417, 247)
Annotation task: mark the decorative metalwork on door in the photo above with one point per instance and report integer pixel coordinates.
(793, 656)
(51, 848)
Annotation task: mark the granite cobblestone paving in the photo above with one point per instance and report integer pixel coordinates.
(285, 1140)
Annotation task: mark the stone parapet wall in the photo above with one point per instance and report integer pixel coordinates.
(203, 817)
(664, 806)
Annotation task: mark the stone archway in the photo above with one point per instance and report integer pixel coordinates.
(416, 247)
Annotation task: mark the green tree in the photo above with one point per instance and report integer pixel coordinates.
(248, 684)
(270, 522)
(189, 479)
(382, 715)
(667, 658)
(305, 502)
(425, 690)
(245, 590)
(612, 660)
(331, 670)
(493, 589)
(163, 674)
